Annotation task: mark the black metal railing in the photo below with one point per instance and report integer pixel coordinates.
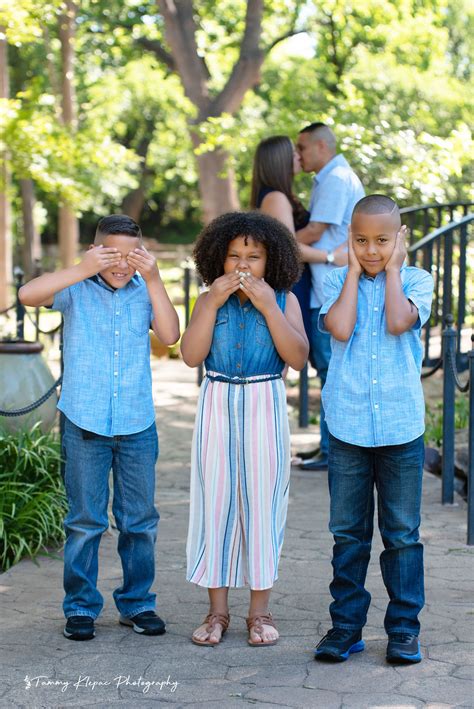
(451, 382)
(443, 253)
(423, 218)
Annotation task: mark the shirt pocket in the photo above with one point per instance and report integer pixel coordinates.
(220, 338)
(139, 317)
(262, 333)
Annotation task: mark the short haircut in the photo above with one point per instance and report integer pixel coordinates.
(283, 265)
(321, 131)
(376, 204)
(117, 224)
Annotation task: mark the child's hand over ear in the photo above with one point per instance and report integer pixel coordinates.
(222, 288)
(354, 264)
(399, 252)
(144, 263)
(259, 293)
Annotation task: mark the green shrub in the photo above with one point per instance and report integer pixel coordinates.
(32, 497)
(434, 419)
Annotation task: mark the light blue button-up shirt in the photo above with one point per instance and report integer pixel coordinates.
(107, 377)
(373, 394)
(336, 190)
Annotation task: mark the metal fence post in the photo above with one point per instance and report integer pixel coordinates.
(186, 286)
(470, 469)
(449, 346)
(20, 310)
(303, 398)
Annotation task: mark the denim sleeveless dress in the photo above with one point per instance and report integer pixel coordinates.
(240, 467)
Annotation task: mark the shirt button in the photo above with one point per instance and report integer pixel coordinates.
(116, 353)
(374, 356)
(376, 406)
(241, 325)
(238, 345)
(374, 333)
(374, 381)
(115, 393)
(376, 308)
(238, 366)
(115, 374)
(116, 332)
(117, 312)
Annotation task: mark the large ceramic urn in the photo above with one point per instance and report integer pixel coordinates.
(25, 378)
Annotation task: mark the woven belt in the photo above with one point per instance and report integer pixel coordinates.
(242, 380)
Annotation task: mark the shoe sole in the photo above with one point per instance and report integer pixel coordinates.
(404, 659)
(340, 657)
(141, 631)
(74, 636)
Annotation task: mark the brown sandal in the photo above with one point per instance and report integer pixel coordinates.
(256, 622)
(211, 620)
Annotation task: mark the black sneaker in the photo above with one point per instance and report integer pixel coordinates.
(79, 627)
(338, 644)
(146, 623)
(403, 649)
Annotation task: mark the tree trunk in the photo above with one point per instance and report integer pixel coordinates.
(216, 178)
(68, 225)
(216, 183)
(32, 243)
(133, 202)
(6, 263)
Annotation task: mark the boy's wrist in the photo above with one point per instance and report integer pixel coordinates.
(354, 271)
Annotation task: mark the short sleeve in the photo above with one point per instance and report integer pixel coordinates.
(62, 300)
(332, 288)
(331, 201)
(418, 288)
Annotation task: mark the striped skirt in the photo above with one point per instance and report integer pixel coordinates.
(240, 474)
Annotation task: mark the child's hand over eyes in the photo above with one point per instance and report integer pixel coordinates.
(144, 263)
(259, 292)
(99, 258)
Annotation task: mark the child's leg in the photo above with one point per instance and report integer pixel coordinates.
(351, 481)
(218, 605)
(262, 632)
(134, 463)
(399, 472)
(88, 462)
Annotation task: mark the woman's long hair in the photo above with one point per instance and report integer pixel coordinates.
(272, 167)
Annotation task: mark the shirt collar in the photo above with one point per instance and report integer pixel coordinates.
(134, 282)
(380, 276)
(336, 161)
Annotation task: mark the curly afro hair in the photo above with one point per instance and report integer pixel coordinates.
(283, 266)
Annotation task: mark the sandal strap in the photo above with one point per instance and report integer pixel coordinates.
(258, 620)
(212, 619)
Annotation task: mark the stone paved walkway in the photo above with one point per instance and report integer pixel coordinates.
(122, 669)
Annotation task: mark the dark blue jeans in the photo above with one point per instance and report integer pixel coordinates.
(396, 472)
(89, 459)
(320, 355)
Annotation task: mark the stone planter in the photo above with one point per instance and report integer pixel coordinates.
(24, 378)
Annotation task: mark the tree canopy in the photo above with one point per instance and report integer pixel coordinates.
(157, 94)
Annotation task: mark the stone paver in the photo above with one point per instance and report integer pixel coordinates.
(122, 669)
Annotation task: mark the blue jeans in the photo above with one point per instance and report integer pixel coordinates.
(396, 472)
(88, 460)
(320, 356)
